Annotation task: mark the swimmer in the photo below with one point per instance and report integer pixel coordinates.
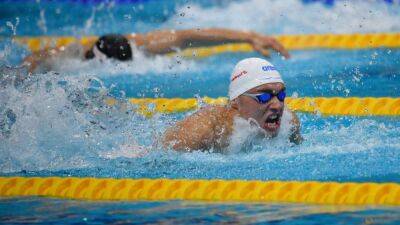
(123, 47)
(256, 94)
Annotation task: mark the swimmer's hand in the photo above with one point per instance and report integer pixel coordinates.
(262, 43)
(295, 136)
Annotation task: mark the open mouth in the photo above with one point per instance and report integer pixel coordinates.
(272, 122)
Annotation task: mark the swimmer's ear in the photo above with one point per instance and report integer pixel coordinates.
(234, 103)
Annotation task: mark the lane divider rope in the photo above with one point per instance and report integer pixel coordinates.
(351, 106)
(291, 42)
(203, 190)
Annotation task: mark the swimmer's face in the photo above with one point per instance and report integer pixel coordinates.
(267, 115)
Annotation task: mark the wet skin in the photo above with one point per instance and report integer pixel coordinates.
(268, 115)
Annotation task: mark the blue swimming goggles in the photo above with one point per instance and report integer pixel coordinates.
(267, 96)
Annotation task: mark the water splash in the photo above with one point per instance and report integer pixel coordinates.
(42, 22)
(54, 121)
(12, 26)
(70, 62)
(291, 17)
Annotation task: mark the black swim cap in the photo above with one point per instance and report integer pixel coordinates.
(113, 46)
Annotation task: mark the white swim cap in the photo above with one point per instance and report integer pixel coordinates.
(250, 73)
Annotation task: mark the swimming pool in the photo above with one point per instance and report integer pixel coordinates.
(57, 133)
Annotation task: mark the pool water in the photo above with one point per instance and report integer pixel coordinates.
(56, 124)
(36, 210)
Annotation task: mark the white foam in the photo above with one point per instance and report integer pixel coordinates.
(52, 133)
(140, 65)
(130, 150)
(248, 135)
(59, 126)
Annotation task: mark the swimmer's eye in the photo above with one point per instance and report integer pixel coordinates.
(267, 96)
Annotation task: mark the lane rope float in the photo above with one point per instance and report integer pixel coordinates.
(351, 106)
(202, 190)
(291, 42)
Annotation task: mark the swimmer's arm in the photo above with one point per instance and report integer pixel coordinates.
(33, 61)
(193, 133)
(166, 41)
(36, 58)
(295, 136)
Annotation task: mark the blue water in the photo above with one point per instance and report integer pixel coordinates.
(56, 124)
(51, 211)
(316, 73)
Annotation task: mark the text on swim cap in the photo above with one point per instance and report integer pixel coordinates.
(239, 75)
(268, 68)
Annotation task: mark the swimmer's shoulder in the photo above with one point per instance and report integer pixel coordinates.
(209, 126)
(221, 116)
(217, 111)
(223, 128)
(211, 117)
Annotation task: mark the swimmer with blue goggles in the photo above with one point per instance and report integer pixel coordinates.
(216, 127)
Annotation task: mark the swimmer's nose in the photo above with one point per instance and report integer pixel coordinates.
(275, 105)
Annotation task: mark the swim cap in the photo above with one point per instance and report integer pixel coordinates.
(111, 46)
(250, 73)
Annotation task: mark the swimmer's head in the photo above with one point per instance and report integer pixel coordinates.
(111, 46)
(250, 73)
(257, 92)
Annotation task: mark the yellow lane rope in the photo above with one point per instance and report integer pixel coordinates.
(203, 190)
(291, 42)
(351, 106)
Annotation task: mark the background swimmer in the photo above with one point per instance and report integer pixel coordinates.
(123, 48)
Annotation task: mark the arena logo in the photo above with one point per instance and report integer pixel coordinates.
(239, 75)
(268, 68)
